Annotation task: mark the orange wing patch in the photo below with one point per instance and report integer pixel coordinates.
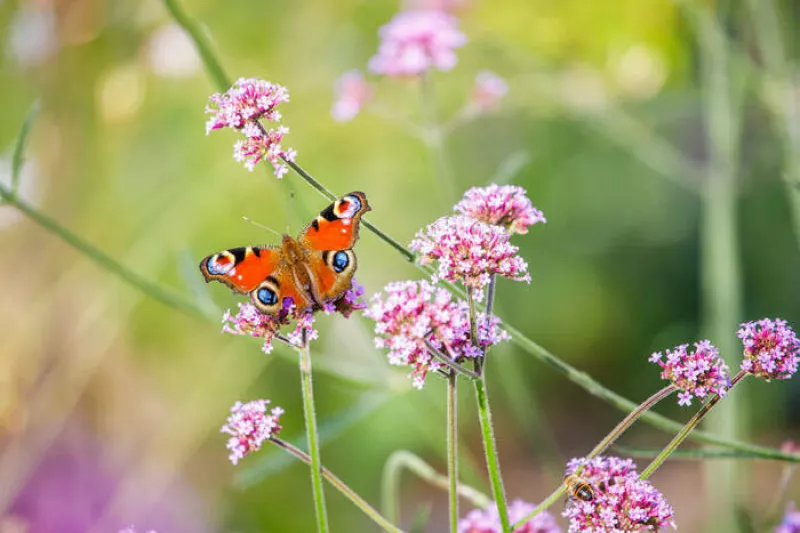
(336, 227)
(241, 269)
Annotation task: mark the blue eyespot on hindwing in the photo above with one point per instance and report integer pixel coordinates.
(267, 296)
(340, 261)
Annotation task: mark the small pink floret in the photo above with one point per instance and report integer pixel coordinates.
(771, 348)
(488, 92)
(352, 92)
(488, 520)
(697, 371)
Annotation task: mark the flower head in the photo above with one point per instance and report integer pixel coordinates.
(470, 251)
(250, 424)
(352, 92)
(697, 372)
(621, 501)
(771, 348)
(266, 145)
(249, 99)
(242, 108)
(488, 520)
(500, 205)
(413, 312)
(791, 520)
(415, 41)
(489, 90)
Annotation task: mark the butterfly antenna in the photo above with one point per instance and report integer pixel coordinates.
(262, 226)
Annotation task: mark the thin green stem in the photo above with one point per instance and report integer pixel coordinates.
(602, 446)
(434, 134)
(442, 358)
(452, 449)
(340, 485)
(150, 288)
(403, 459)
(18, 159)
(685, 430)
(489, 447)
(628, 421)
(201, 43)
(311, 432)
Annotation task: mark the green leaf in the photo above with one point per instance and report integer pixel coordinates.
(274, 463)
(18, 158)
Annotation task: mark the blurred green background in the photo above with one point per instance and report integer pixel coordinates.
(111, 402)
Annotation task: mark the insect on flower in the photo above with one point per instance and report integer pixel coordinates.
(579, 488)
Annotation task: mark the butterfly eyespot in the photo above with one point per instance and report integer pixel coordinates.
(220, 263)
(340, 261)
(347, 207)
(267, 296)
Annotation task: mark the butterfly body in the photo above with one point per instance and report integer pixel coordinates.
(313, 269)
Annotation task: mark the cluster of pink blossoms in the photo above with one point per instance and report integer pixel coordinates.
(500, 205)
(488, 520)
(413, 312)
(621, 501)
(414, 42)
(250, 425)
(698, 372)
(469, 251)
(242, 108)
(351, 93)
(771, 348)
(252, 322)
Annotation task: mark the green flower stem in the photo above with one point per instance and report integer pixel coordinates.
(627, 422)
(150, 288)
(202, 43)
(312, 435)
(442, 358)
(434, 134)
(492, 463)
(349, 493)
(452, 449)
(18, 158)
(685, 430)
(403, 459)
(602, 446)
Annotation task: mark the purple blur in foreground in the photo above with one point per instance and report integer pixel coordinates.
(488, 520)
(791, 520)
(771, 348)
(621, 501)
(697, 371)
(250, 425)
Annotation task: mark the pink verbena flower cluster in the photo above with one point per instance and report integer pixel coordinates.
(488, 91)
(413, 312)
(621, 501)
(697, 372)
(791, 520)
(414, 42)
(241, 108)
(252, 322)
(771, 348)
(250, 424)
(500, 205)
(352, 92)
(469, 251)
(488, 520)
